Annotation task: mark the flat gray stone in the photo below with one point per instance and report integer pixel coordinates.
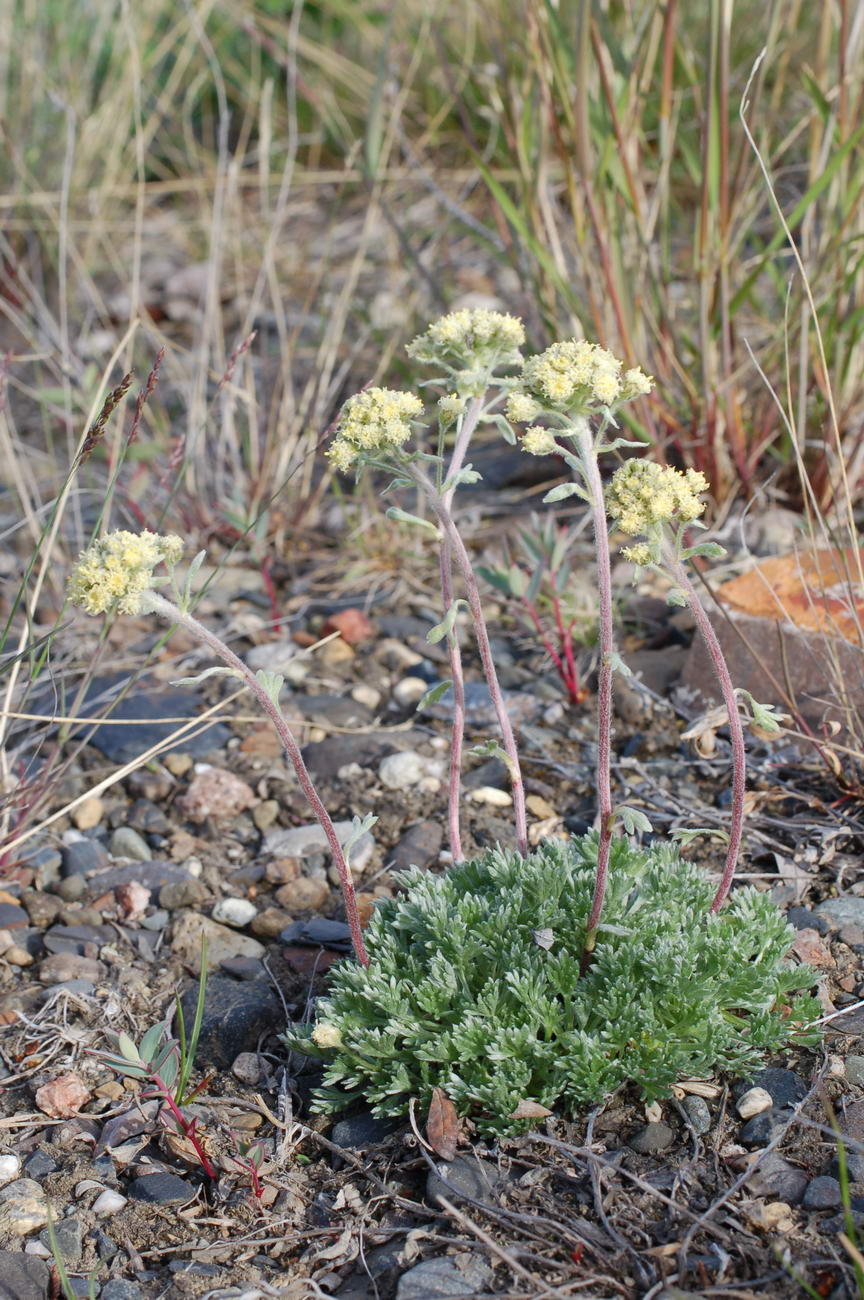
(466, 1176)
(23, 1277)
(651, 1138)
(301, 841)
(840, 912)
(161, 1189)
(449, 1275)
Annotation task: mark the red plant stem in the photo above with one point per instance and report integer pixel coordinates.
(736, 730)
(463, 559)
(269, 587)
(594, 484)
(184, 1125)
(445, 562)
(156, 602)
(566, 637)
(531, 611)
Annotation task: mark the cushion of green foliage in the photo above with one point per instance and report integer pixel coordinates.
(463, 992)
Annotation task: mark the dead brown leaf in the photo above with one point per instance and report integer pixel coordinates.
(443, 1126)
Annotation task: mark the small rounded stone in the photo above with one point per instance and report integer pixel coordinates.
(753, 1102)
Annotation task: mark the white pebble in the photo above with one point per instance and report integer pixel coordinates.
(234, 911)
(36, 1248)
(753, 1102)
(489, 794)
(367, 695)
(108, 1203)
(410, 690)
(10, 1167)
(398, 771)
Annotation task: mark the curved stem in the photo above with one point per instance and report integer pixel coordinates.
(736, 730)
(472, 591)
(594, 485)
(158, 603)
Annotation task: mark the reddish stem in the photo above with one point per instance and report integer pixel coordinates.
(736, 730)
(186, 1128)
(174, 614)
(269, 587)
(566, 637)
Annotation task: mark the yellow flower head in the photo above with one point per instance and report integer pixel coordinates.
(324, 1035)
(451, 406)
(639, 554)
(574, 376)
(538, 441)
(472, 338)
(643, 494)
(117, 569)
(374, 420)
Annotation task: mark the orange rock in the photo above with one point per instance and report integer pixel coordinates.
(63, 1097)
(815, 590)
(351, 624)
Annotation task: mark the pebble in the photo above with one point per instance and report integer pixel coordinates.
(10, 1168)
(89, 813)
(223, 943)
(352, 625)
(265, 814)
(67, 1240)
(270, 922)
(65, 966)
(13, 917)
(160, 1189)
(156, 920)
(785, 1086)
(331, 710)
(236, 912)
(188, 892)
(236, 1015)
(402, 770)
(217, 793)
(855, 1070)
(247, 1068)
(652, 1138)
(25, 1276)
(18, 956)
(272, 657)
(318, 931)
(840, 912)
(42, 908)
(476, 1179)
(64, 1096)
(803, 919)
(127, 843)
(823, 1193)
(758, 1130)
(146, 817)
(72, 888)
(303, 841)
(447, 1275)
(303, 895)
(39, 1165)
(775, 1176)
(108, 1203)
(698, 1114)
(119, 1289)
(123, 744)
(409, 691)
(488, 794)
(479, 711)
(23, 1207)
(366, 695)
(419, 846)
(753, 1102)
(83, 856)
(361, 1130)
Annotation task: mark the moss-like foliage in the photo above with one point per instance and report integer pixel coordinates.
(475, 986)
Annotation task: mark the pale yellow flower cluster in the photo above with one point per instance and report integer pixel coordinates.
(324, 1035)
(451, 406)
(472, 337)
(643, 494)
(117, 569)
(574, 376)
(539, 441)
(374, 420)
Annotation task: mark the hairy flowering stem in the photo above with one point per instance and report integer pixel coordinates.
(594, 486)
(472, 591)
(445, 561)
(158, 604)
(736, 730)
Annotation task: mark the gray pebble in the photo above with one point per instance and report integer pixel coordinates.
(698, 1114)
(161, 1189)
(445, 1276)
(67, 1236)
(119, 1289)
(83, 856)
(855, 1070)
(822, 1193)
(651, 1139)
(474, 1178)
(127, 843)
